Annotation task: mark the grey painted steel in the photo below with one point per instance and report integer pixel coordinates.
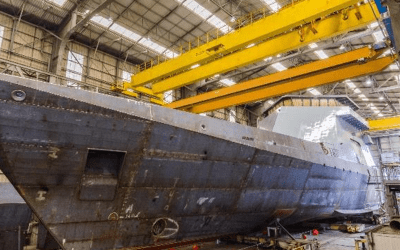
(190, 175)
(14, 216)
(394, 9)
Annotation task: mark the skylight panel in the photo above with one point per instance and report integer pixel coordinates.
(272, 4)
(133, 36)
(313, 45)
(228, 82)
(58, 2)
(314, 91)
(101, 20)
(279, 67)
(193, 6)
(357, 91)
(393, 67)
(320, 53)
(363, 97)
(375, 109)
(350, 84)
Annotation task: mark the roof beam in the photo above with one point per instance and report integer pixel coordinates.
(328, 27)
(334, 69)
(301, 13)
(87, 18)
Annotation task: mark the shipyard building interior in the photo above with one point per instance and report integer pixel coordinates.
(199, 124)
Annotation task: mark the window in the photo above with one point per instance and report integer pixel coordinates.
(1, 34)
(126, 76)
(74, 67)
(168, 98)
(232, 115)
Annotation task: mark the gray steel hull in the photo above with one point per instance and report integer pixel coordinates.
(204, 177)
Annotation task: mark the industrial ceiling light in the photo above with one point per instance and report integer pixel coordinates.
(381, 98)
(368, 82)
(342, 47)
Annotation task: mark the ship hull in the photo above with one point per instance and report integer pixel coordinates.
(172, 176)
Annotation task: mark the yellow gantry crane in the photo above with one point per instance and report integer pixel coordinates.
(387, 123)
(294, 16)
(348, 65)
(295, 26)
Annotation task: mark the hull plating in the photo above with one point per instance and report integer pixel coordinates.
(183, 176)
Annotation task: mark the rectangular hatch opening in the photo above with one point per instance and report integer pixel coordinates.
(100, 179)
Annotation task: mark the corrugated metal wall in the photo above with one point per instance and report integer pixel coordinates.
(33, 46)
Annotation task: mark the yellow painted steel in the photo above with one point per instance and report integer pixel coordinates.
(341, 59)
(123, 88)
(315, 79)
(384, 123)
(329, 27)
(285, 20)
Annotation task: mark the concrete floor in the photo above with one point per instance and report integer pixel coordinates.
(329, 240)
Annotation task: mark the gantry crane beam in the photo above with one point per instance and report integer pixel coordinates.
(286, 19)
(384, 123)
(322, 29)
(334, 69)
(292, 73)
